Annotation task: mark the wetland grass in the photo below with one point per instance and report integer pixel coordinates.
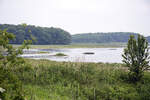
(50, 80)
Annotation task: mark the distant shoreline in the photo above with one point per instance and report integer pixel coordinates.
(88, 45)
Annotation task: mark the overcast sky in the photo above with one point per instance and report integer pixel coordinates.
(80, 16)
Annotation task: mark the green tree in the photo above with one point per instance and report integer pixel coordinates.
(136, 57)
(9, 61)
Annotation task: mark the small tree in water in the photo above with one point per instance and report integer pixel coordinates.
(136, 57)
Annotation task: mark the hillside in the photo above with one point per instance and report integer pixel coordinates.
(102, 37)
(43, 35)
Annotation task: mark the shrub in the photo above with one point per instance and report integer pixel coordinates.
(9, 61)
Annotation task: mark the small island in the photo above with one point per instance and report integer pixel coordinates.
(89, 53)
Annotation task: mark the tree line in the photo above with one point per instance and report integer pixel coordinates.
(43, 35)
(103, 37)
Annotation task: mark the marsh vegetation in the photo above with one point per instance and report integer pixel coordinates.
(22, 79)
(43, 79)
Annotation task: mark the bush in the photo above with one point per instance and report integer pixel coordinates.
(9, 61)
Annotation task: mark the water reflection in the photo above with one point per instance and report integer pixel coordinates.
(111, 55)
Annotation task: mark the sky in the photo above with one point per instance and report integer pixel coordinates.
(80, 16)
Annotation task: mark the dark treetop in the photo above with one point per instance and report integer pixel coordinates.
(43, 35)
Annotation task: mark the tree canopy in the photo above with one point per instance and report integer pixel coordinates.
(136, 57)
(102, 37)
(43, 35)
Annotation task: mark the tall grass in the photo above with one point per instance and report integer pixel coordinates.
(49, 80)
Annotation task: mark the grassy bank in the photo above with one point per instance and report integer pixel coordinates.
(100, 45)
(49, 80)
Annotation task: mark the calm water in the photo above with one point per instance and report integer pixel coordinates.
(110, 55)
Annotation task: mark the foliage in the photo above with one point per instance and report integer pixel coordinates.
(43, 35)
(49, 80)
(136, 57)
(102, 37)
(9, 61)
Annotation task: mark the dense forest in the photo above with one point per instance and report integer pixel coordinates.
(43, 35)
(102, 37)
